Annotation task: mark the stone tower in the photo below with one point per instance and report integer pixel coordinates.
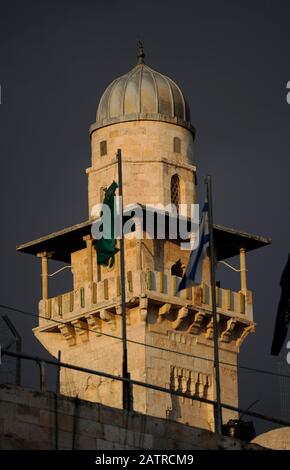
(170, 336)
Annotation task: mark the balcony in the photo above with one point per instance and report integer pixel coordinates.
(158, 287)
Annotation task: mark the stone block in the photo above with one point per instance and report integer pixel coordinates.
(110, 415)
(155, 426)
(91, 428)
(111, 433)
(65, 440)
(84, 442)
(27, 414)
(104, 445)
(126, 436)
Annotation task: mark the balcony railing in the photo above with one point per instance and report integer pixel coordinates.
(160, 285)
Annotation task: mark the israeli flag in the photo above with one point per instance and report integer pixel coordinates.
(193, 272)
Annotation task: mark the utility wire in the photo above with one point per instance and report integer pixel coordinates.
(100, 333)
(157, 388)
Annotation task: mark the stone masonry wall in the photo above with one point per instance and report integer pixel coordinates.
(41, 420)
(149, 162)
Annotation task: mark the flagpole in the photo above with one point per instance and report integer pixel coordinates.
(126, 385)
(218, 408)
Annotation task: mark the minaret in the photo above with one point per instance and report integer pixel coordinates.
(145, 114)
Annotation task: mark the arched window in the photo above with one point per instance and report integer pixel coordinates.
(176, 145)
(175, 191)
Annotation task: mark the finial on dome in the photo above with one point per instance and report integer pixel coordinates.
(141, 53)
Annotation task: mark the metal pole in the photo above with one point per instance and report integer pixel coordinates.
(169, 391)
(126, 385)
(58, 373)
(18, 347)
(56, 421)
(243, 270)
(18, 363)
(41, 365)
(44, 274)
(218, 408)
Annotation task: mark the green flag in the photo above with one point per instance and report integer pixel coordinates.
(106, 246)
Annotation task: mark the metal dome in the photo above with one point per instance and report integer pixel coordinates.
(142, 94)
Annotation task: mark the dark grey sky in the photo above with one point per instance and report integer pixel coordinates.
(231, 59)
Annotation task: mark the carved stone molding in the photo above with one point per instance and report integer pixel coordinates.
(182, 313)
(244, 333)
(209, 330)
(94, 323)
(118, 309)
(227, 332)
(143, 308)
(105, 315)
(68, 332)
(192, 382)
(195, 326)
(81, 329)
(163, 310)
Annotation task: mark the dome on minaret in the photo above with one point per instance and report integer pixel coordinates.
(143, 94)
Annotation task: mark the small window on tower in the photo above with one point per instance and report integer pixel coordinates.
(103, 147)
(175, 191)
(177, 145)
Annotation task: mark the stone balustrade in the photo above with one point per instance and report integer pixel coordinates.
(159, 285)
